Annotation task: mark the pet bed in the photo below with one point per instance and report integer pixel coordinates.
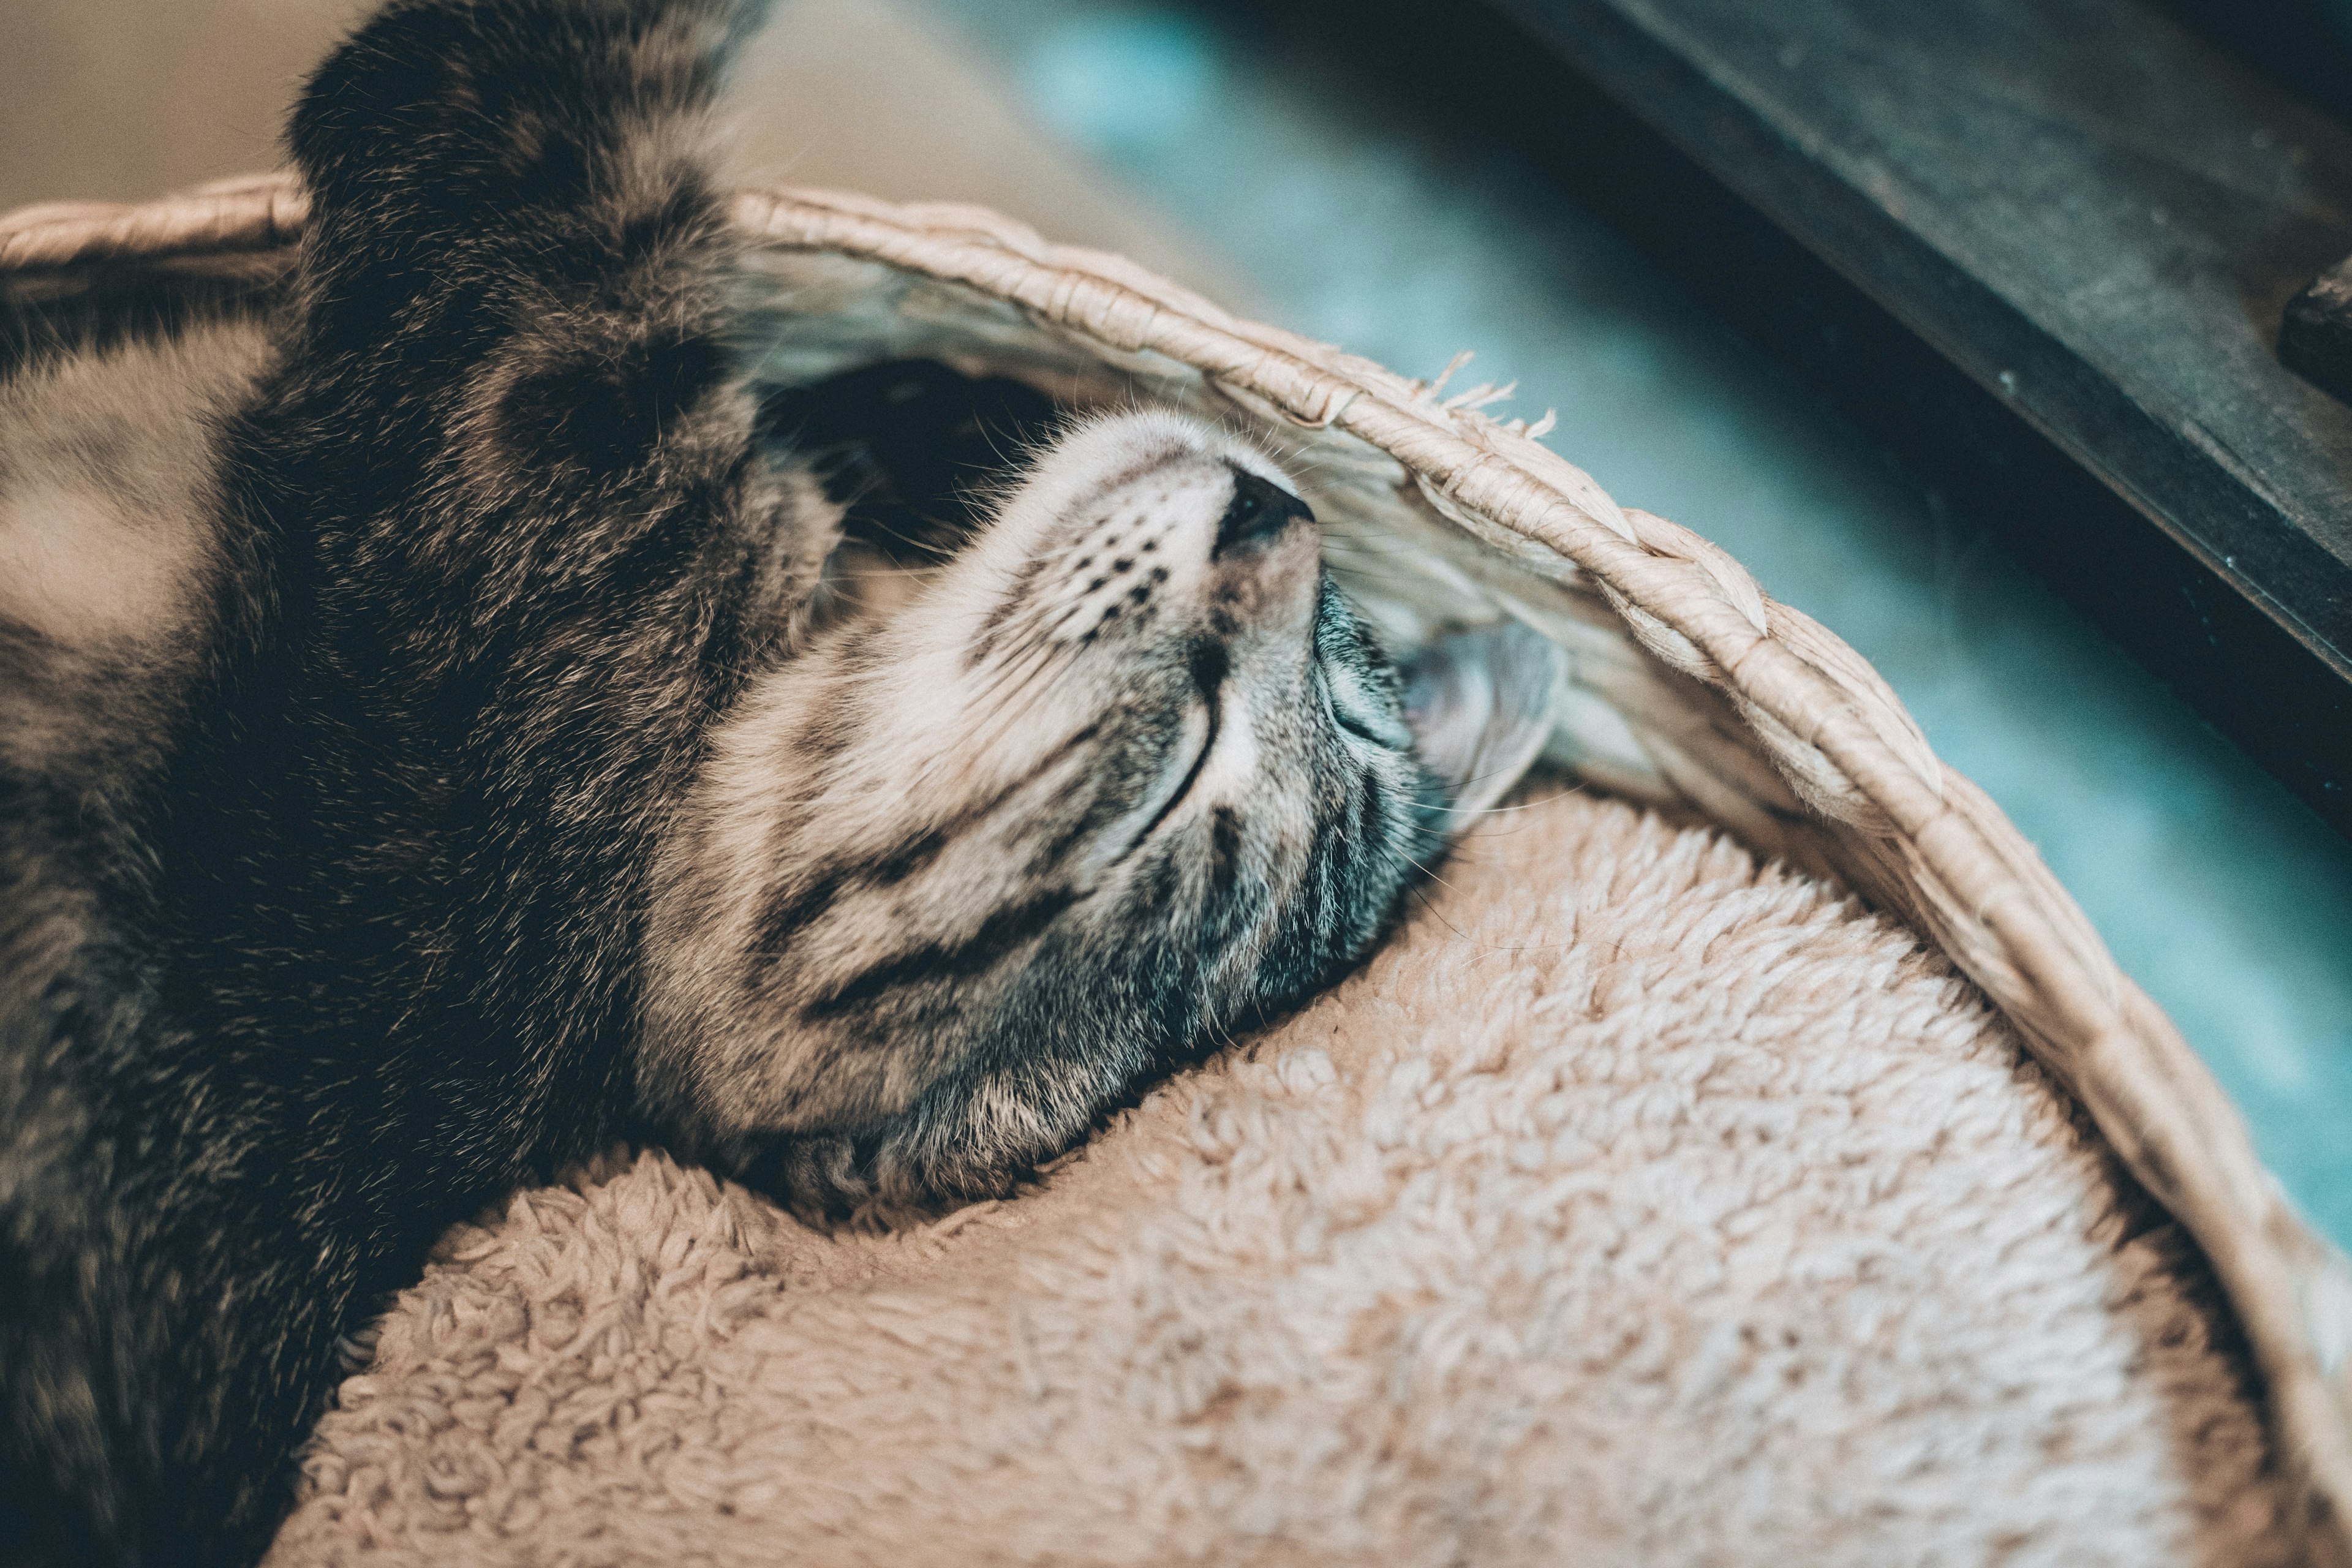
(1687, 688)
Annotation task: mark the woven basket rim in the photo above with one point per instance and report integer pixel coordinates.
(1930, 842)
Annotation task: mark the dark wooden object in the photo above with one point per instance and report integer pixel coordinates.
(2316, 339)
(2041, 247)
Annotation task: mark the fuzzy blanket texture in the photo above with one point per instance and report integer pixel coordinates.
(1636, 1205)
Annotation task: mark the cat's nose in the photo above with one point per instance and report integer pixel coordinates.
(1260, 508)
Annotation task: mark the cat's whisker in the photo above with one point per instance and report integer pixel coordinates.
(1420, 894)
(1428, 872)
(1503, 810)
(1020, 679)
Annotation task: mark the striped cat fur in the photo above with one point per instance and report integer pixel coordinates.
(442, 733)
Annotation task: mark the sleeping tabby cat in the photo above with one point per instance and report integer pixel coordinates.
(440, 734)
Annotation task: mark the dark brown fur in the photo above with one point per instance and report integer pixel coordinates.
(325, 907)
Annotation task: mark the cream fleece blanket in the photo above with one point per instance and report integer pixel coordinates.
(1634, 1205)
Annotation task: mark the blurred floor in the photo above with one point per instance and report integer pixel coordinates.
(118, 100)
(1250, 172)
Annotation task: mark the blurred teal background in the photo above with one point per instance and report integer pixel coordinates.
(1371, 225)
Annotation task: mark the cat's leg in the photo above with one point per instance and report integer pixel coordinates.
(517, 541)
(544, 543)
(519, 297)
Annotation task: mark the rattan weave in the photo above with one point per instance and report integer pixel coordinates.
(1686, 682)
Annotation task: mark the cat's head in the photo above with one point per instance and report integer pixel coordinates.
(1123, 774)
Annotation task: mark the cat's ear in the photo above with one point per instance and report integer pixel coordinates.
(1480, 704)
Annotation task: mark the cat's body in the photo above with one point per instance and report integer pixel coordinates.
(478, 768)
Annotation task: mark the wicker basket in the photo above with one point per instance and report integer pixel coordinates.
(1685, 684)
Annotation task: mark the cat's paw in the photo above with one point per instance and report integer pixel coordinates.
(469, 108)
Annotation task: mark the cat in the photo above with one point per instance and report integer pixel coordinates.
(455, 721)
